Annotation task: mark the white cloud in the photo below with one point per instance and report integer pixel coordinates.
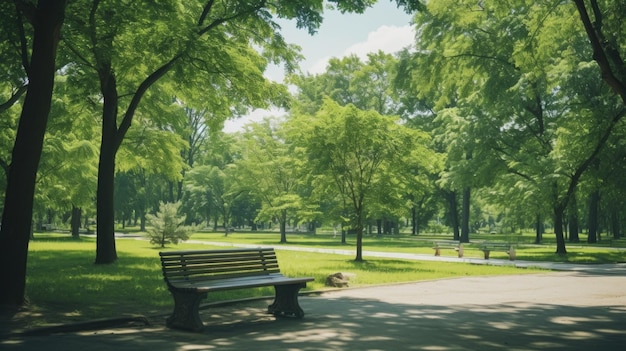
(389, 39)
(238, 124)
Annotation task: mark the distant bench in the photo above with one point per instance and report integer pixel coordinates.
(439, 245)
(191, 275)
(487, 247)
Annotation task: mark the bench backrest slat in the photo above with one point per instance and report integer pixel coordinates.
(194, 265)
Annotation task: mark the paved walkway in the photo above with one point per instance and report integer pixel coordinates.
(581, 308)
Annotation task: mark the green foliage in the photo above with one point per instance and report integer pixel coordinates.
(359, 152)
(167, 226)
(366, 85)
(519, 106)
(272, 170)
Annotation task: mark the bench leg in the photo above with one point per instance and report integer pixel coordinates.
(437, 252)
(186, 314)
(486, 252)
(286, 301)
(512, 254)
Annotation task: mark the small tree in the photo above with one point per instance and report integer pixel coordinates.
(166, 227)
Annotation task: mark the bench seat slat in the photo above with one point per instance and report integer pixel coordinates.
(234, 264)
(208, 278)
(217, 258)
(214, 260)
(205, 254)
(214, 265)
(217, 274)
(236, 283)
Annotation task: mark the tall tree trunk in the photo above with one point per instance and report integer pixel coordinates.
(359, 232)
(179, 190)
(453, 208)
(47, 19)
(76, 220)
(465, 215)
(142, 222)
(170, 186)
(558, 230)
(615, 223)
(207, 213)
(573, 220)
(105, 243)
(594, 200)
(538, 229)
(414, 226)
(283, 226)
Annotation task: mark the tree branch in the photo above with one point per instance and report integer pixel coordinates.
(497, 59)
(23, 45)
(583, 166)
(205, 11)
(141, 90)
(597, 43)
(219, 21)
(13, 99)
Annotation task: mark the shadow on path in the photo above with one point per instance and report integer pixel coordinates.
(347, 323)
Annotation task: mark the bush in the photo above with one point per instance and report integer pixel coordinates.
(166, 227)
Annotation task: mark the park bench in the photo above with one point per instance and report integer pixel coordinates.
(191, 275)
(438, 245)
(487, 247)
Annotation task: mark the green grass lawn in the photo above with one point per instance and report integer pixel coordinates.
(604, 252)
(64, 284)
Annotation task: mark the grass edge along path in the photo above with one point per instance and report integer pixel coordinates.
(422, 244)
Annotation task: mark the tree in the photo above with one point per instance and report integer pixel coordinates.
(67, 172)
(355, 150)
(211, 46)
(166, 226)
(367, 85)
(271, 171)
(210, 189)
(46, 19)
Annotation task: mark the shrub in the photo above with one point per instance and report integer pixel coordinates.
(166, 227)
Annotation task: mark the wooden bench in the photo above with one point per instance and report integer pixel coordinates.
(191, 275)
(438, 245)
(487, 247)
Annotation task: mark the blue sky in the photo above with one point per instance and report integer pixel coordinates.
(382, 27)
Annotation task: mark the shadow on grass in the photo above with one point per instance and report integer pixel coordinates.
(66, 286)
